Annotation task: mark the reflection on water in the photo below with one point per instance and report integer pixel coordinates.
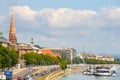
(79, 76)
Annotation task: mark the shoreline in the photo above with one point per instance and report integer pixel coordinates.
(53, 75)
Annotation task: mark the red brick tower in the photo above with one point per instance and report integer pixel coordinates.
(12, 32)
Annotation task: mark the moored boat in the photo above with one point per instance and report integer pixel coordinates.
(88, 72)
(104, 71)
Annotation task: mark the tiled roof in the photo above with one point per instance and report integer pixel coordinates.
(50, 53)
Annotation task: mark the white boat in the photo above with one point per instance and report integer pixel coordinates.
(114, 73)
(88, 72)
(104, 71)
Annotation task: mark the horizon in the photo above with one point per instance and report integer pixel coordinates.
(91, 24)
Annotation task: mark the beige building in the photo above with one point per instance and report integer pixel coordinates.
(24, 48)
(87, 55)
(106, 58)
(91, 55)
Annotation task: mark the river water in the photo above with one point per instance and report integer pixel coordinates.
(80, 76)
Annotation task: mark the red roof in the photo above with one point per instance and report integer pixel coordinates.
(50, 53)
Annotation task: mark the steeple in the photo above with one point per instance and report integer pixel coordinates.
(1, 33)
(12, 32)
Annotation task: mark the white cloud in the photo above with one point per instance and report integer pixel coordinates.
(108, 17)
(65, 17)
(62, 17)
(24, 12)
(68, 27)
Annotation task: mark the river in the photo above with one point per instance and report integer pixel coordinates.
(80, 76)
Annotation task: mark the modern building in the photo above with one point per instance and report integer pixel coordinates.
(68, 53)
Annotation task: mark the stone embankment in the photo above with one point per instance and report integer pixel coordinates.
(55, 75)
(52, 76)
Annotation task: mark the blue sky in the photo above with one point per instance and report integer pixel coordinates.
(66, 23)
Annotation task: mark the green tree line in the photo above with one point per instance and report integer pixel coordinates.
(40, 59)
(8, 57)
(34, 59)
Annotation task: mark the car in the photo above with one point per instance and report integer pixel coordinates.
(19, 78)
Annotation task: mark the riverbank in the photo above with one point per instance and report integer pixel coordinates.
(53, 75)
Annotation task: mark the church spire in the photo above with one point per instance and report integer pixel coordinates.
(12, 32)
(1, 33)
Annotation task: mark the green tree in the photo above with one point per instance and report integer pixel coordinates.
(8, 57)
(77, 60)
(63, 64)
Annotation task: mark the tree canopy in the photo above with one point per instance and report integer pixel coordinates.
(8, 57)
(39, 59)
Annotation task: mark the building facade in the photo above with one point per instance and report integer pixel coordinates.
(91, 55)
(68, 53)
(24, 48)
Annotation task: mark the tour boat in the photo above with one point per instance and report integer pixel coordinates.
(104, 71)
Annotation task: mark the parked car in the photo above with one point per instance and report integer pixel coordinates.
(19, 78)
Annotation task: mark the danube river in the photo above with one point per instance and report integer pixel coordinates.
(80, 76)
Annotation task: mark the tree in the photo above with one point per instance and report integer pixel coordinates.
(78, 60)
(39, 59)
(8, 57)
(63, 64)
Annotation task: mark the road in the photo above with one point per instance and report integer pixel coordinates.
(21, 73)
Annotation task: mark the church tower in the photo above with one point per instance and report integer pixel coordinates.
(12, 32)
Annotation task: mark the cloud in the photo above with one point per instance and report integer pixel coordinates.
(61, 18)
(68, 27)
(24, 12)
(108, 17)
(66, 17)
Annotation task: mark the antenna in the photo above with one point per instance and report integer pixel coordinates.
(1, 33)
(83, 48)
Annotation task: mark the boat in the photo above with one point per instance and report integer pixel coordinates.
(114, 73)
(88, 72)
(104, 71)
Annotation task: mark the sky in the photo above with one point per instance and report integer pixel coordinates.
(90, 25)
